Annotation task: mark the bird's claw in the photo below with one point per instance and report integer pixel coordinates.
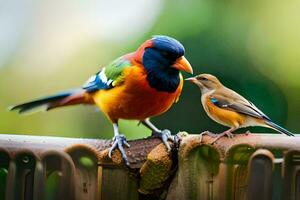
(248, 132)
(229, 135)
(226, 133)
(119, 141)
(206, 133)
(164, 135)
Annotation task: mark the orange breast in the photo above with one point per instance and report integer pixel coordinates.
(223, 116)
(135, 99)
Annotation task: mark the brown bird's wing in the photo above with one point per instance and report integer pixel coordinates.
(230, 100)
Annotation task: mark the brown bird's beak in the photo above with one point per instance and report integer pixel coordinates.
(195, 81)
(192, 79)
(183, 64)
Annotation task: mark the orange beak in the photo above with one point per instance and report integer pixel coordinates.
(183, 64)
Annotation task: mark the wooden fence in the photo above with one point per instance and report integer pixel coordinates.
(256, 166)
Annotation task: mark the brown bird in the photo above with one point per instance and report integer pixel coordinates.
(228, 108)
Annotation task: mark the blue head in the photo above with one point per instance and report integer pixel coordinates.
(163, 58)
(168, 47)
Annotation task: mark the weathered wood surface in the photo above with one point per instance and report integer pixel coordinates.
(229, 169)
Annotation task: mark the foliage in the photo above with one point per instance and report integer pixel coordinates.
(253, 47)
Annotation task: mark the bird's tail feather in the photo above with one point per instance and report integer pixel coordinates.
(70, 97)
(278, 128)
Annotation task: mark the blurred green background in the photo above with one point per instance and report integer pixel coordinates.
(50, 46)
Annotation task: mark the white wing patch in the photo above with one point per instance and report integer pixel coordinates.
(103, 77)
(98, 81)
(91, 79)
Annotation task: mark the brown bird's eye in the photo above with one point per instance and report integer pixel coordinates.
(202, 79)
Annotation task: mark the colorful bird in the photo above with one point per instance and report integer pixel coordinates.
(228, 108)
(136, 86)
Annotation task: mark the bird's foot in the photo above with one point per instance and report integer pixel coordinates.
(207, 133)
(164, 135)
(225, 133)
(118, 142)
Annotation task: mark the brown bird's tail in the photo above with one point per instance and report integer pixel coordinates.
(71, 97)
(278, 128)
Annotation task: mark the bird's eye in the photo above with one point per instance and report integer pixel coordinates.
(164, 53)
(202, 78)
